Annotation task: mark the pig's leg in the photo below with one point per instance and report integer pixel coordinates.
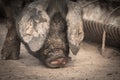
(11, 47)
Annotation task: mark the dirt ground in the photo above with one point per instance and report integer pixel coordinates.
(87, 65)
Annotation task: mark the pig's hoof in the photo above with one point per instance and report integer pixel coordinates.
(9, 57)
(56, 60)
(10, 54)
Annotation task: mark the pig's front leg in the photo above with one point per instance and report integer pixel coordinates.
(11, 47)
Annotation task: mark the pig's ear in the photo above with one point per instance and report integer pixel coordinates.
(33, 25)
(75, 26)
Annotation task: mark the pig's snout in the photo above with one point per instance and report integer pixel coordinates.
(56, 59)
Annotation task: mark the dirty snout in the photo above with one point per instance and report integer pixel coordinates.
(56, 59)
(56, 48)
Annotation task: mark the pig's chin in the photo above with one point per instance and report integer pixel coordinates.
(56, 59)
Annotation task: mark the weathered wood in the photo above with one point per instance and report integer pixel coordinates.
(103, 42)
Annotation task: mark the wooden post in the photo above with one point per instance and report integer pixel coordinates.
(103, 42)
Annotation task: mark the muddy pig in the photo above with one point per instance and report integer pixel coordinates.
(48, 29)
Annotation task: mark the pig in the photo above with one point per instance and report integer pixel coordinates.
(49, 29)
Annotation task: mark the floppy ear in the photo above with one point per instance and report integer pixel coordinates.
(33, 25)
(75, 26)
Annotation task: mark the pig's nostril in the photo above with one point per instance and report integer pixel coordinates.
(54, 62)
(57, 63)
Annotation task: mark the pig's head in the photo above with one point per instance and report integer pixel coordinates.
(51, 37)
